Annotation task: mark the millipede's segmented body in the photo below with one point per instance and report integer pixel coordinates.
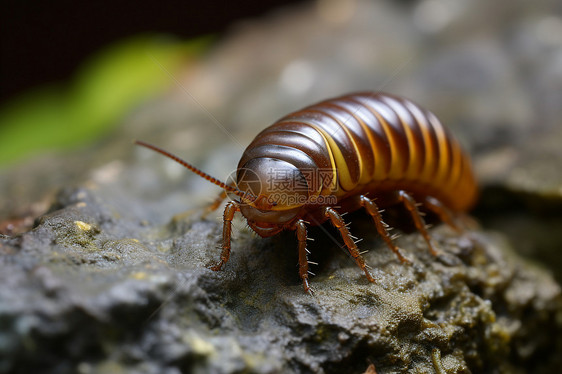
(362, 150)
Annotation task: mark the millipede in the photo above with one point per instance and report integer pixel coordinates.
(366, 150)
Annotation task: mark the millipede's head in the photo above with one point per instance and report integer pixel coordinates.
(270, 192)
(281, 192)
(278, 185)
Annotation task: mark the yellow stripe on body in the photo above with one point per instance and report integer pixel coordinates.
(396, 167)
(341, 172)
(414, 163)
(455, 167)
(333, 185)
(346, 180)
(430, 162)
(443, 160)
(381, 151)
(364, 176)
(415, 155)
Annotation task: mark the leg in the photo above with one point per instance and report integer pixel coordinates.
(303, 258)
(410, 204)
(442, 212)
(215, 204)
(373, 211)
(338, 222)
(229, 211)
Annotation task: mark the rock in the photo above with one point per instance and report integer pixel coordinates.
(89, 290)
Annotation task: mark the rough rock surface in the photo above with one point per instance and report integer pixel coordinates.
(92, 291)
(114, 275)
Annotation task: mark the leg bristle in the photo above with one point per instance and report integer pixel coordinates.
(339, 223)
(411, 205)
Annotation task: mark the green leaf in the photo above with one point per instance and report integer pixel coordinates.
(104, 90)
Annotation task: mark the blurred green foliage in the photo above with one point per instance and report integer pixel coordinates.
(104, 89)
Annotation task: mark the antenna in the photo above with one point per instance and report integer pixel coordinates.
(237, 192)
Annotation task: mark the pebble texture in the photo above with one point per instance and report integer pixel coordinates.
(111, 273)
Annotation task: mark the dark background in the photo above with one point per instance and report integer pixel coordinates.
(44, 41)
